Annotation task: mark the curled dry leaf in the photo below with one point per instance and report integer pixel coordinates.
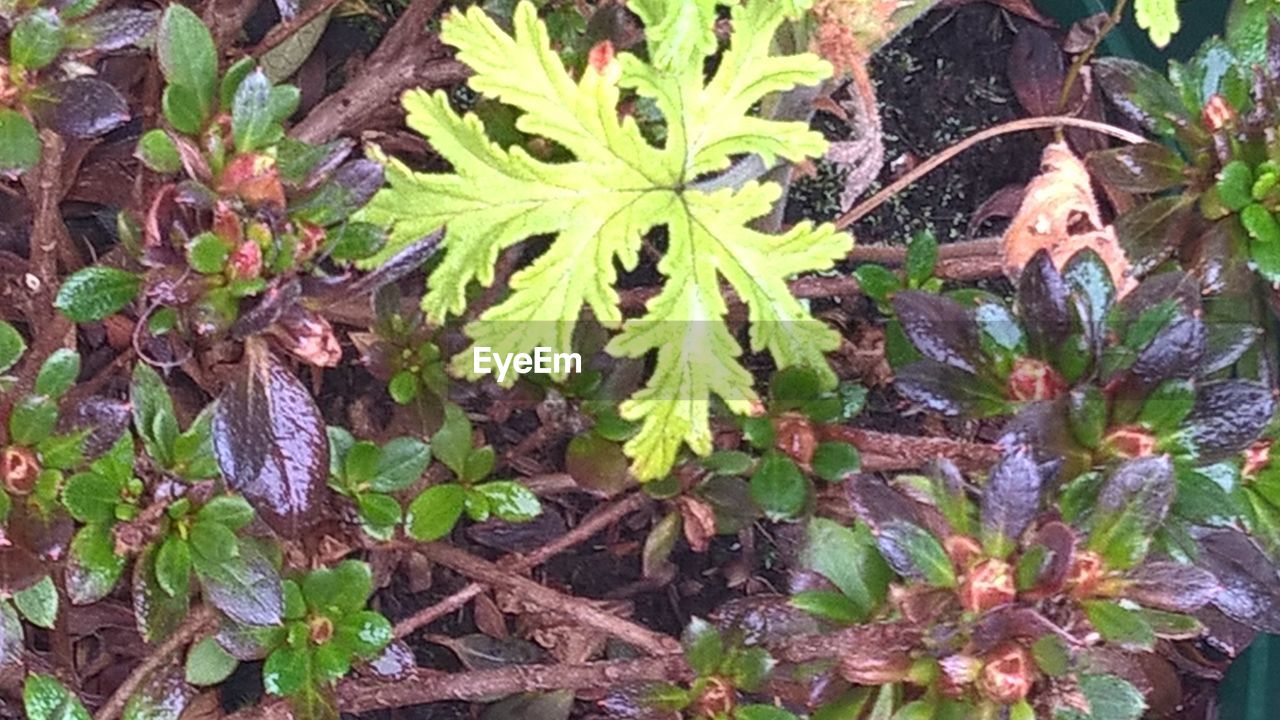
(1060, 214)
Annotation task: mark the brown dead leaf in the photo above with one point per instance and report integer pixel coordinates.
(699, 523)
(1060, 214)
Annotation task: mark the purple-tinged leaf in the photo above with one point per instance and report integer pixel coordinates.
(1042, 303)
(1093, 291)
(157, 612)
(1229, 415)
(247, 588)
(1058, 541)
(940, 328)
(1250, 590)
(164, 695)
(396, 662)
(1172, 586)
(763, 619)
(949, 391)
(350, 187)
(19, 569)
(915, 553)
(1174, 353)
(1142, 168)
(1225, 343)
(1010, 500)
(1011, 622)
(115, 29)
(1153, 231)
(82, 107)
(1132, 503)
(270, 442)
(1142, 94)
(1036, 70)
(11, 638)
(877, 504)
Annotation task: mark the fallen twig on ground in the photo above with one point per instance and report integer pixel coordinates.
(196, 625)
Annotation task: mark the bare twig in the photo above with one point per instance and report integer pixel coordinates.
(888, 451)
(1021, 125)
(577, 609)
(406, 58)
(592, 524)
(428, 686)
(196, 625)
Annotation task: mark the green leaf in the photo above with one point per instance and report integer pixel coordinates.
(181, 108)
(380, 514)
(1132, 503)
(286, 672)
(1168, 405)
(329, 662)
(1261, 225)
(157, 613)
(19, 143)
(1087, 414)
(763, 712)
(251, 113)
(476, 506)
(778, 486)
(232, 511)
(360, 463)
(510, 501)
(58, 373)
(158, 152)
(338, 591)
(792, 387)
(207, 253)
(850, 560)
(12, 345)
(922, 255)
(602, 203)
(829, 605)
(1159, 18)
(92, 498)
(231, 80)
(39, 603)
(208, 664)
(295, 607)
(703, 647)
(153, 414)
(95, 292)
(365, 633)
(247, 588)
(679, 33)
(1111, 698)
(401, 464)
(188, 57)
(213, 542)
(479, 464)
(835, 461)
(1119, 625)
(433, 514)
(915, 553)
(357, 241)
(451, 444)
(1052, 655)
(32, 420)
(1235, 185)
(877, 282)
(173, 566)
(44, 698)
(93, 568)
(36, 39)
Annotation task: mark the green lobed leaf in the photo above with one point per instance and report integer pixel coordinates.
(1159, 18)
(704, 649)
(95, 292)
(600, 204)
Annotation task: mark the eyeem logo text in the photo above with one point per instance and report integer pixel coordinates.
(543, 360)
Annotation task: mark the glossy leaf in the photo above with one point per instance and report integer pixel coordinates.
(433, 514)
(940, 328)
(12, 644)
(38, 604)
(1119, 625)
(1141, 93)
(1042, 304)
(400, 464)
(153, 413)
(1010, 500)
(1141, 168)
(58, 373)
(915, 553)
(114, 29)
(1172, 586)
(1132, 503)
(270, 442)
(1250, 589)
(163, 695)
(247, 588)
(44, 698)
(95, 292)
(949, 391)
(849, 559)
(1229, 415)
(82, 107)
(188, 57)
(510, 500)
(778, 487)
(251, 117)
(157, 613)
(93, 568)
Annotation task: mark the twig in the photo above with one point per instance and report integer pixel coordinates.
(424, 686)
(1021, 125)
(1073, 73)
(406, 58)
(286, 30)
(196, 624)
(581, 611)
(889, 451)
(592, 524)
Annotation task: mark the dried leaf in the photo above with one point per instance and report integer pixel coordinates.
(1060, 214)
(270, 442)
(1036, 71)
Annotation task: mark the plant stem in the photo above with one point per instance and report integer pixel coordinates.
(593, 524)
(1013, 126)
(1073, 73)
(195, 627)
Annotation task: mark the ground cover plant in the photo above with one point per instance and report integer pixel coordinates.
(563, 389)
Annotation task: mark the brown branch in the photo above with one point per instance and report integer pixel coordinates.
(285, 30)
(581, 611)
(592, 524)
(195, 626)
(427, 686)
(407, 58)
(883, 451)
(226, 19)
